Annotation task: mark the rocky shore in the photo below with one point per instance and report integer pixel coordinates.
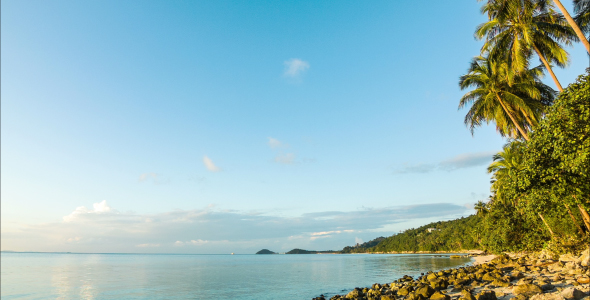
(517, 276)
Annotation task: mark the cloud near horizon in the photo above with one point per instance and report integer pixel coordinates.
(462, 161)
(208, 230)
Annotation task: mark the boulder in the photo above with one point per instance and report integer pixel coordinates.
(486, 295)
(386, 297)
(354, 294)
(439, 296)
(431, 276)
(546, 286)
(425, 291)
(501, 283)
(488, 277)
(583, 279)
(572, 293)
(568, 258)
(404, 291)
(551, 296)
(527, 289)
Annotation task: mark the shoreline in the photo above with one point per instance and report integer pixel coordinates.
(491, 277)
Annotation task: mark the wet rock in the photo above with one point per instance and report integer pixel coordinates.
(572, 293)
(354, 294)
(527, 289)
(486, 295)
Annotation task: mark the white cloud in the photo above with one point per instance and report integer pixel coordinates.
(211, 230)
(294, 67)
(98, 208)
(285, 159)
(210, 165)
(274, 143)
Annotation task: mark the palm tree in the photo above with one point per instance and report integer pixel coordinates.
(582, 18)
(517, 28)
(515, 102)
(504, 169)
(573, 24)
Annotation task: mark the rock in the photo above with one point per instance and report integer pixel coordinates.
(486, 295)
(501, 283)
(517, 275)
(524, 280)
(572, 293)
(404, 291)
(413, 296)
(353, 294)
(585, 258)
(551, 296)
(439, 296)
(520, 297)
(583, 279)
(547, 286)
(425, 291)
(488, 277)
(373, 293)
(567, 258)
(527, 289)
(386, 297)
(431, 277)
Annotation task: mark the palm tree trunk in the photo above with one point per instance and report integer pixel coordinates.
(551, 231)
(574, 219)
(526, 137)
(585, 216)
(548, 68)
(573, 24)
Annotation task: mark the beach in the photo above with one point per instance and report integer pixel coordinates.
(536, 276)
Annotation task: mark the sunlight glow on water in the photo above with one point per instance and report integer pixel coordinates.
(149, 276)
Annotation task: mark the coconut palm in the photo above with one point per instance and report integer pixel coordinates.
(582, 18)
(573, 24)
(504, 169)
(516, 29)
(515, 102)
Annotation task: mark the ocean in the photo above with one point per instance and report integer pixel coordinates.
(175, 276)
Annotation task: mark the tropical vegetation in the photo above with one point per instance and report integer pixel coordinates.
(540, 181)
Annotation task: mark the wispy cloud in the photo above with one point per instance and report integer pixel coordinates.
(461, 161)
(208, 230)
(285, 159)
(274, 143)
(210, 165)
(145, 176)
(294, 67)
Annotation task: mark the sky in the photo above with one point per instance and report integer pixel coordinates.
(232, 126)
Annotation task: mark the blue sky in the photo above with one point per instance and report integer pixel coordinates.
(340, 114)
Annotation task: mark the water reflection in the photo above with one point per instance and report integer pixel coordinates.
(130, 276)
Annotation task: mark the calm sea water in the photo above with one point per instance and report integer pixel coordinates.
(165, 276)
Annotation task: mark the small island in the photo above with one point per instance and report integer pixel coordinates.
(265, 251)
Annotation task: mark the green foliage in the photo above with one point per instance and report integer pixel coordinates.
(447, 236)
(362, 248)
(514, 101)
